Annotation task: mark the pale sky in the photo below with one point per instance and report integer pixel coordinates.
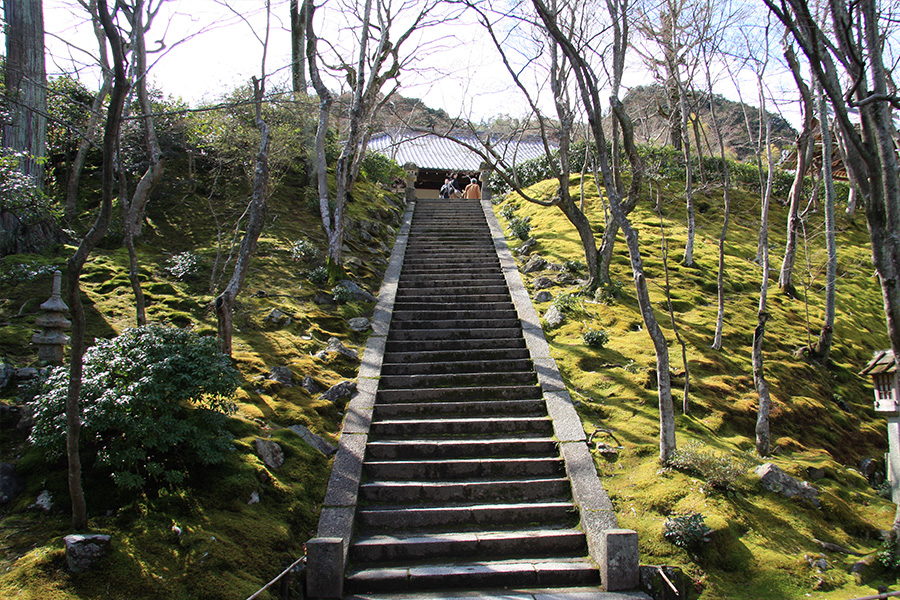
(463, 76)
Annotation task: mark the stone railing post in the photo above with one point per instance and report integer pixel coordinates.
(412, 173)
(486, 171)
(51, 341)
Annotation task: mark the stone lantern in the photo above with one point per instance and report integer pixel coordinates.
(883, 370)
(412, 173)
(51, 341)
(486, 170)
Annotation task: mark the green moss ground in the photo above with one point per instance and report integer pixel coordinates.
(761, 542)
(227, 548)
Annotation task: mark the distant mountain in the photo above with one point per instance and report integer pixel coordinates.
(647, 105)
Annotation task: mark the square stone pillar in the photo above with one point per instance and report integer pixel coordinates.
(619, 564)
(325, 568)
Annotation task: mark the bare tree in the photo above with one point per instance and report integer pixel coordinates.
(726, 210)
(855, 46)
(87, 141)
(76, 262)
(826, 336)
(224, 302)
(382, 32)
(26, 85)
(589, 88)
(763, 436)
(140, 17)
(805, 147)
(298, 46)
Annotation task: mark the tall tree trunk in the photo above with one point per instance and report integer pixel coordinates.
(298, 46)
(224, 302)
(589, 89)
(763, 436)
(70, 211)
(685, 400)
(823, 346)
(134, 214)
(26, 85)
(805, 150)
(688, 178)
(75, 264)
(726, 199)
(329, 224)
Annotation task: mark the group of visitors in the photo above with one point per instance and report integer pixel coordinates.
(452, 185)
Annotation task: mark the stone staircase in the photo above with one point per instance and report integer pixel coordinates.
(462, 485)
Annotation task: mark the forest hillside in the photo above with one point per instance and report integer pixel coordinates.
(226, 528)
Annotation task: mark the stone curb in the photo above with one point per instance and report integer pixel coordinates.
(598, 519)
(327, 552)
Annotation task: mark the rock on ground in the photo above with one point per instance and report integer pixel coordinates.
(11, 483)
(270, 453)
(335, 345)
(83, 550)
(554, 317)
(314, 440)
(775, 480)
(339, 391)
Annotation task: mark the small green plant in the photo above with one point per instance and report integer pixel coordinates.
(889, 555)
(566, 302)
(686, 531)
(595, 338)
(183, 266)
(508, 211)
(304, 251)
(573, 266)
(25, 271)
(318, 276)
(721, 471)
(154, 403)
(341, 294)
(608, 293)
(520, 227)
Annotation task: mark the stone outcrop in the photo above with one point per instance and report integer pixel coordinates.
(775, 480)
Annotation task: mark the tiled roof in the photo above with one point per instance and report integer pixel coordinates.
(882, 362)
(431, 151)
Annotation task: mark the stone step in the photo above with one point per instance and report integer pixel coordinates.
(476, 575)
(413, 449)
(493, 490)
(477, 426)
(484, 408)
(492, 314)
(486, 545)
(473, 321)
(483, 515)
(460, 468)
(442, 380)
(472, 333)
(433, 356)
(403, 306)
(513, 592)
(452, 288)
(458, 394)
(417, 296)
(459, 345)
(457, 367)
(430, 280)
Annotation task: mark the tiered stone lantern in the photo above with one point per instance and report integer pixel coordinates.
(412, 173)
(486, 170)
(51, 341)
(883, 370)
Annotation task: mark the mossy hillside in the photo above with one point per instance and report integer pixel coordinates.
(761, 542)
(227, 547)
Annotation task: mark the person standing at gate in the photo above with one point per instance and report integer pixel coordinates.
(473, 190)
(448, 189)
